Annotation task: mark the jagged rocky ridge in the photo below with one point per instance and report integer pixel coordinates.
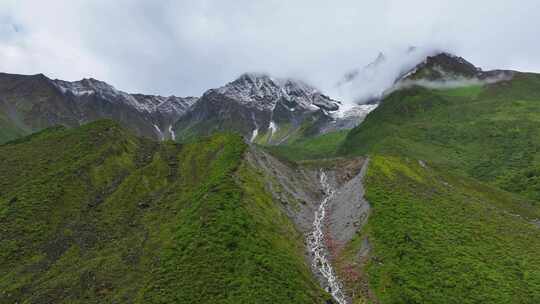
(159, 111)
(445, 67)
(267, 110)
(262, 109)
(31, 103)
(386, 73)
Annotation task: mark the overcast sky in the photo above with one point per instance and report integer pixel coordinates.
(185, 47)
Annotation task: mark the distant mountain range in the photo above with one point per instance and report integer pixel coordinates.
(31, 103)
(267, 111)
(259, 107)
(263, 109)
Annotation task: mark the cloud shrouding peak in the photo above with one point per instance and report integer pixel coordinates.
(369, 83)
(186, 47)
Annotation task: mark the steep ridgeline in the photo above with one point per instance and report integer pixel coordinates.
(31, 103)
(447, 67)
(371, 83)
(266, 111)
(453, 186)
(262, 109)
(96, 215)
(484, 124)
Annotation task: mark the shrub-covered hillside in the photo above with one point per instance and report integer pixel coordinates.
(96, 215)
(438, 238)
(454, 189)
(489, 132)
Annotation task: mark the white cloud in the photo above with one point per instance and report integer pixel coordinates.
(185, 47)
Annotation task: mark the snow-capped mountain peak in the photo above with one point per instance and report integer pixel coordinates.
(142, 103)
(264, 92)
(258, 90)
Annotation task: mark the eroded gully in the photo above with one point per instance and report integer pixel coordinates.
(317, 246)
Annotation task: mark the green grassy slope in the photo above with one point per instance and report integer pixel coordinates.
(9, 130)
(490, 132)
(440, 239)
(96, 215)
(459, 230)
(318, 147)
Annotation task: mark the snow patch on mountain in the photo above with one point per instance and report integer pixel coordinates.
(171, 132)
(254, 134)
(263, 92)
(273, 127)
(142, 103)
(359, 111)
(159, 132)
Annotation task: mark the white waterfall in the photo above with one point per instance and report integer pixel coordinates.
(160, 133)
(171, 131)
(318, 248)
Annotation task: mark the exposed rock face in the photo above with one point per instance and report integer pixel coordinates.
(299, 189)
(348, 119)
(296, 187)
(447, 67)
(263, 92)
(263, 109)
(443, 65)
(273, 109)
(31, 103)
(369, 84)
(348, 208)
(36, 102)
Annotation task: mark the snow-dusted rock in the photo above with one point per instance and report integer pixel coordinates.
(263, 92)
(262, 108)
(147, 115)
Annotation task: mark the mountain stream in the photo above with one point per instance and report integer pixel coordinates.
(317, 246)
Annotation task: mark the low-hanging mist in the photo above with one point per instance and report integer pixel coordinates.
(454, 83)
(368, 83)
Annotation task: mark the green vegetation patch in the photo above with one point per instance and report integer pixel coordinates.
(491, 132)
(439, 239)
(318, 147)
(96, 215)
